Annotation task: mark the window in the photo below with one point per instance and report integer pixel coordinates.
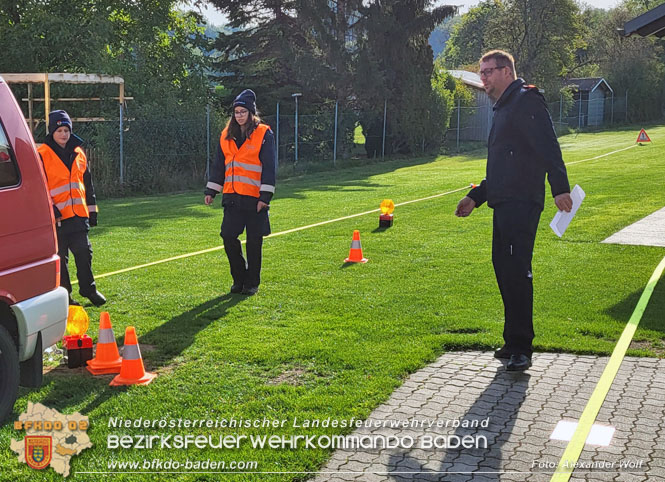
(8, 171)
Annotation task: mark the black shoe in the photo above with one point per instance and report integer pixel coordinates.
(518, 363)
(502, 353)
(236, 289)
(73, 302)
(250, 291)
(96, 298)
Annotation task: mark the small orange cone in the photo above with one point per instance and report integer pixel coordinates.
(132, 371)
(356, 251)
(107, 359)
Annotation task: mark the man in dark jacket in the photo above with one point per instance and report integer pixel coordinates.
(522, 149)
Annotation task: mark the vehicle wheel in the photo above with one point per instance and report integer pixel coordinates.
(9, 373)
(32, 369)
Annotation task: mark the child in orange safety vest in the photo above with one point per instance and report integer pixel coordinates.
(74, 203)
(244, 172)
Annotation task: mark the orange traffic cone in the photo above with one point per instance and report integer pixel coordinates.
(356, 251)
(132, 371)
(107, 359)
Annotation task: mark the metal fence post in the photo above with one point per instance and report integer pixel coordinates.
(277, 138)
(626, 105)
(208, 141)
(122, 177)
(295, 96)
(383, 143)
(335, 140)
(612, 110)
(458, 121)
(560, 109)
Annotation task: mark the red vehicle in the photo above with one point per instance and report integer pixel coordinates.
(33, 308)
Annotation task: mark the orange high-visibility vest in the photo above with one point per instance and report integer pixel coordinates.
(66, 187)
(243, 166)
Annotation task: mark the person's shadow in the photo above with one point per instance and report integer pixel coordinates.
(500, 401)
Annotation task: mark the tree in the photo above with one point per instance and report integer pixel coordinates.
(396, 64)
(148, 42)
(633, 64)
(542, 35)
(467, 41)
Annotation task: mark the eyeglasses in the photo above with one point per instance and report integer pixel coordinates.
(241, 112)
(488, 72)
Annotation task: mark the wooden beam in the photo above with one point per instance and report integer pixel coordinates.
(47, 100)
(75, 99)
(97, 119)
(65, 78)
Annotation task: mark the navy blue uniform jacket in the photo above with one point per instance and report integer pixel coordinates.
(522, 148)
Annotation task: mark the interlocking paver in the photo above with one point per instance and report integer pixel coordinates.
(523, 410)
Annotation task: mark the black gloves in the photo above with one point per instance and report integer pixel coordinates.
(93, 219)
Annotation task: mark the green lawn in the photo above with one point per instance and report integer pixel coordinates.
(322, 339)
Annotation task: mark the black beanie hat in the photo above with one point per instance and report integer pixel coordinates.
(246, 99)
(58, 118)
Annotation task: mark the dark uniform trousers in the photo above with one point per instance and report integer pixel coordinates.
(78, 243)
(514, 234)
(236, 219)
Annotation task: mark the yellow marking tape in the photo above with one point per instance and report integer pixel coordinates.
(600, 156)
(301, 228)
(574, 448)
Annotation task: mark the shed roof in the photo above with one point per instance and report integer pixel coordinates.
(649, 23)
(469, 78)
(589, 83)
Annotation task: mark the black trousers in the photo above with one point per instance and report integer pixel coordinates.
(515, 226)
(236, 219)
(78, 243)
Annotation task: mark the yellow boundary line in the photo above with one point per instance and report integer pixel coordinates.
(601, 156)
(574, 448)
(301, 228)
(288, 231)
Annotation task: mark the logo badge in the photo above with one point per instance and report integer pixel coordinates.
(38, 451)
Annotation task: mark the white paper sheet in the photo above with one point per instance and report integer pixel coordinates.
(562, 219)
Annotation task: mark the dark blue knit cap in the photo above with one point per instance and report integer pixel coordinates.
(246, 99)
(58, 118)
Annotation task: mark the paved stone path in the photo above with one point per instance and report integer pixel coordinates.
(521, 411)
(648, 231)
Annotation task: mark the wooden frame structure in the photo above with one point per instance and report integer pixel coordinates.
(47, 79)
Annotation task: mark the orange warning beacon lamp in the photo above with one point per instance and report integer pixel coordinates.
(77, 344)
(386, 216)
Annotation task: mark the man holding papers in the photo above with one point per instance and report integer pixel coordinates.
(522, 148)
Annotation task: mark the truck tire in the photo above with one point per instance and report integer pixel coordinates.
(33, 368)
(9, 374)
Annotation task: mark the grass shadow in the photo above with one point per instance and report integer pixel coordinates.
(176, 335)
(653, 318)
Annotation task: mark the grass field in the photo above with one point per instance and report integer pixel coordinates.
(323, 339)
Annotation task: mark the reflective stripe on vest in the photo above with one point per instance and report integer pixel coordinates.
(242, 165)
(66, 186)
(69, 202)
(131, 352)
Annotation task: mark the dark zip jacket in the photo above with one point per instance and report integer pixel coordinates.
(522, 148)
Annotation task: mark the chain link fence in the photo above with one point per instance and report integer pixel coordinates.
(172, 151)
(473, 123)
